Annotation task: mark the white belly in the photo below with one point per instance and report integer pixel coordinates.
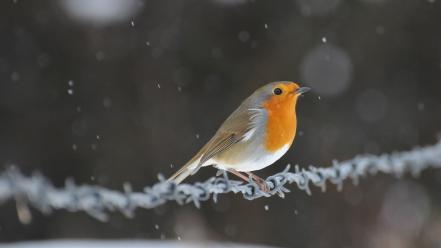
(256, 161)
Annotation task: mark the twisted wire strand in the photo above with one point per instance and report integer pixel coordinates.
(38, 192)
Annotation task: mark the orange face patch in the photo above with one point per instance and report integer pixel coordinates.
(282, 122)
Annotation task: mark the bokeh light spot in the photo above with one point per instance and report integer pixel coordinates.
(327, 69)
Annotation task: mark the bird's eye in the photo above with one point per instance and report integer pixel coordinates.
(277, 91)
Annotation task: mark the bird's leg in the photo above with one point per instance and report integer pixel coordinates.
(235, 172)
(259, 181)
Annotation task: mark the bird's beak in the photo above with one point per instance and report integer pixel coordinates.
(302, 90)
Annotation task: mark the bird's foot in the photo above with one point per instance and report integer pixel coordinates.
(260, 182)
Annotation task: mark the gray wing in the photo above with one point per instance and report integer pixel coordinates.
(235, 129)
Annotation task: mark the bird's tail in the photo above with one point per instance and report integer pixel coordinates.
(187, 170)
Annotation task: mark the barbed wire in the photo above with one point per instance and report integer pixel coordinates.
(38, 192)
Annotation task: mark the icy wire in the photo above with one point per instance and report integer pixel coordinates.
(38, 191)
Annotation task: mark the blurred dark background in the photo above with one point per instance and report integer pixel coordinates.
(114, 91)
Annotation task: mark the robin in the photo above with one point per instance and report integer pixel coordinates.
(254, 136)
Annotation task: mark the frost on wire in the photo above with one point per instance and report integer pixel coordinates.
(38, 192)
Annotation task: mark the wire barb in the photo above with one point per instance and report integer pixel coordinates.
(38, 192)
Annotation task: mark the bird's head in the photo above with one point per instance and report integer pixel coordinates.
(279, 94)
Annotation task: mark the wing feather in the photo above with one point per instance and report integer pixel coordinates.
(243, 128)
(219, 147)
(241, 125)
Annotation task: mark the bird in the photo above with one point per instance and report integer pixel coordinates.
(257, 134)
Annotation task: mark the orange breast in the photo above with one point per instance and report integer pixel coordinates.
(282, 122)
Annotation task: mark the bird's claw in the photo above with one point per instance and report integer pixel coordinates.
(262, 184)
